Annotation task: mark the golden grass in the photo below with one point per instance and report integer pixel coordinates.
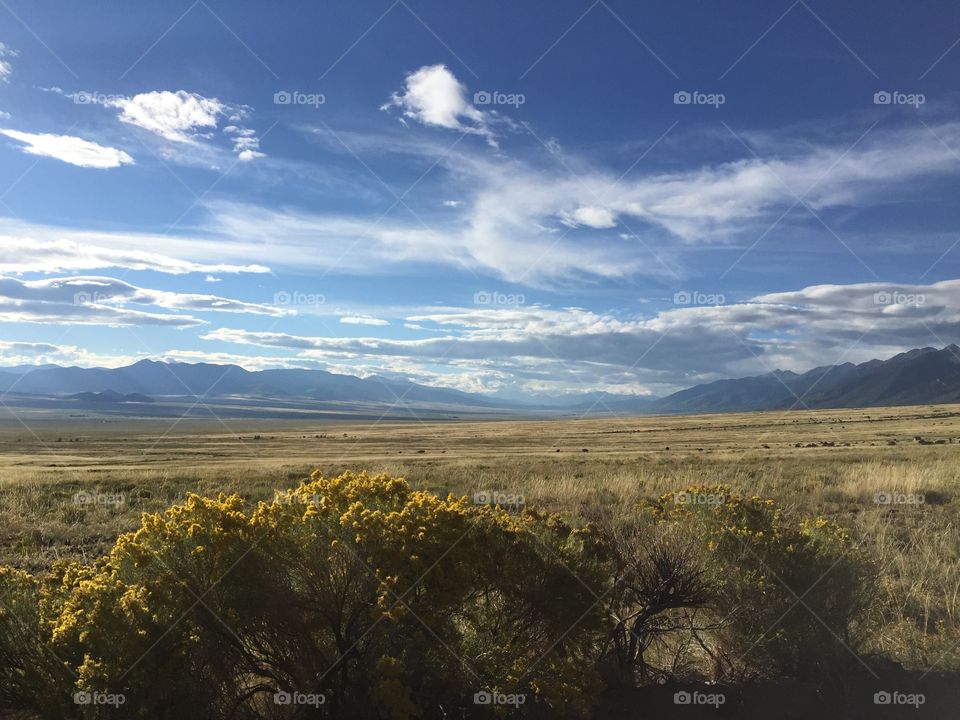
(830, 463)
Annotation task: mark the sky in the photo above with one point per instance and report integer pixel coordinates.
(520, 199)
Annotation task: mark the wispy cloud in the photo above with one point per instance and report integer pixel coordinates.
(363, 320)
(105, 300)
(69, 149)
(538, 349)
(6, 67)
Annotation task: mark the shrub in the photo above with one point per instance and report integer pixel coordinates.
(356, 591)
(358, 597)
(789, 593)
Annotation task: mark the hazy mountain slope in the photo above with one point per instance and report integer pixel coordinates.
(917, 377)
(152, 378)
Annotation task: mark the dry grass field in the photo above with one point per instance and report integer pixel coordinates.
(840, 464)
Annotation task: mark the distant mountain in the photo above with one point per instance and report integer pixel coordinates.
(918, 377)
(154, 379)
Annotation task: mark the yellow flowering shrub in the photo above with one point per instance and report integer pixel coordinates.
(789, 592)
(354, 597)
(359, 597)
(31, 676)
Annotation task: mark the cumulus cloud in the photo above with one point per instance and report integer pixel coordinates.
(185, 118)
(176, 116)
(433, 96)
(69, 149)
(245, 143)
(590, 215)
(362, 320)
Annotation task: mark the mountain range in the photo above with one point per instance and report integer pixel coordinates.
(921, 376)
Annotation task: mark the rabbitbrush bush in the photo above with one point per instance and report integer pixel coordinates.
(389, 603)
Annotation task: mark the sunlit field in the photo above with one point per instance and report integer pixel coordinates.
(886, 477)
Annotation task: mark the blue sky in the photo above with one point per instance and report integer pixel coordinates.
(505, 198)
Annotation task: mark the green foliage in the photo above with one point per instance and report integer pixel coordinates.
(789, 593)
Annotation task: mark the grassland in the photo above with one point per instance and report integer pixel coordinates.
(825, 463)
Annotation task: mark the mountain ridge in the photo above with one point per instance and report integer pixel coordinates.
(914, 377)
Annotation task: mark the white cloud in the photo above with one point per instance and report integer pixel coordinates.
(432, 95)
(245, 143)
(6, 68)
(104, 291)
(176, 116)
(362, 320)
(593, 216)
(29, 248)
(70, 149)
(104, 300)
(186, 118)
(538, 349)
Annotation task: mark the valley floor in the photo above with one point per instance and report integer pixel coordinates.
(888, 475)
